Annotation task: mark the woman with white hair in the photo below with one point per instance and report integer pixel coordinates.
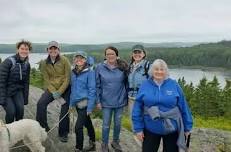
(161, 111)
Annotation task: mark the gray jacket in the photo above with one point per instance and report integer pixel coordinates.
(174, 114)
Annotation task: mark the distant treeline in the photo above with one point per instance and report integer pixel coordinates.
(41, 47)
(208, 55)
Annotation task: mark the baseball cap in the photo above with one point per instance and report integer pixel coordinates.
(81, 53)
(53, 43)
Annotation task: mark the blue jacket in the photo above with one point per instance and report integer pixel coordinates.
(110, 86)
(83, 87)
(166, 96)
(137, 76)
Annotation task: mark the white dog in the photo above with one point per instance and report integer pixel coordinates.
(27, 130)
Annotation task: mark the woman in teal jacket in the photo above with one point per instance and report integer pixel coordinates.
(161, 111)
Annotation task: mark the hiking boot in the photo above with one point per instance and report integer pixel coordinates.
(104, 147)
(116, 146)
(90, 147)
(63, 138)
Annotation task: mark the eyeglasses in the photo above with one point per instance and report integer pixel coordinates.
(110, 54)
(137, 51)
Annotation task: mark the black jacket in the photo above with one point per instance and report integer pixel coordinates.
(14, 77)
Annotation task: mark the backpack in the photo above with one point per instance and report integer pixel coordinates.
(13, 61)
(146, 68)
(91, 62)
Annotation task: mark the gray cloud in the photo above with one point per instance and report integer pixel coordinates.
(101, 21)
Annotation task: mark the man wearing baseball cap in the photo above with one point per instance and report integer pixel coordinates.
(56, 71)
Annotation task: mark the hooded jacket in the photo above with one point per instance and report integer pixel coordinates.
(111, 86)
(83, 87)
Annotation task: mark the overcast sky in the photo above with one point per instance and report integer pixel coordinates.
(103, 21)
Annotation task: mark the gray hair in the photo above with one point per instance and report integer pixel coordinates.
(158, 63)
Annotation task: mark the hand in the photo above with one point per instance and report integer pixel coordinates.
(140, 136)
(99, 106)
(71, 109)
(186, 134)
(56, 95)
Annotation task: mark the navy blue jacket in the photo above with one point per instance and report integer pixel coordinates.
(14, 77)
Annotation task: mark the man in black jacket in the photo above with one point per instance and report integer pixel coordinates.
(14, 82)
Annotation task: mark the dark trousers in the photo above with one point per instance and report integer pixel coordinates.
(152, 141)
(14, 107)
(83, 120)
(41, 115)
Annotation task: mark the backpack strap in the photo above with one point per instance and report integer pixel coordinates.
(13, 62)
(146, 68)
(91, 62)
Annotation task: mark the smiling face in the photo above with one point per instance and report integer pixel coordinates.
(23, 51)
(159, 73)
(110, 56)
(80, 61)
(138, 55)
(53, 52)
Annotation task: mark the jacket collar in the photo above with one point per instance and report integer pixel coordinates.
(84, 70)
(48, 60)
(150, 79)
(18, 59)
(134, 66)
(108, 66)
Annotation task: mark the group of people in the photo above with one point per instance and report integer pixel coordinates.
(157, 105)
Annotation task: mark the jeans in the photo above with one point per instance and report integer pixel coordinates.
(83, 120)
(41, 114)
(14, 107)
(107, 115)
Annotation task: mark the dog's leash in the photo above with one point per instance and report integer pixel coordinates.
(2, 124)
(24, 145)
(57, 123)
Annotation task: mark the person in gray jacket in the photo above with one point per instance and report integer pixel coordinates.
(111, 89)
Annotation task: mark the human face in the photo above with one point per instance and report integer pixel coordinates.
(111, 56)
(53, 52)
(159, 73)
(23, 51)
(80, 60)
(138, 55)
